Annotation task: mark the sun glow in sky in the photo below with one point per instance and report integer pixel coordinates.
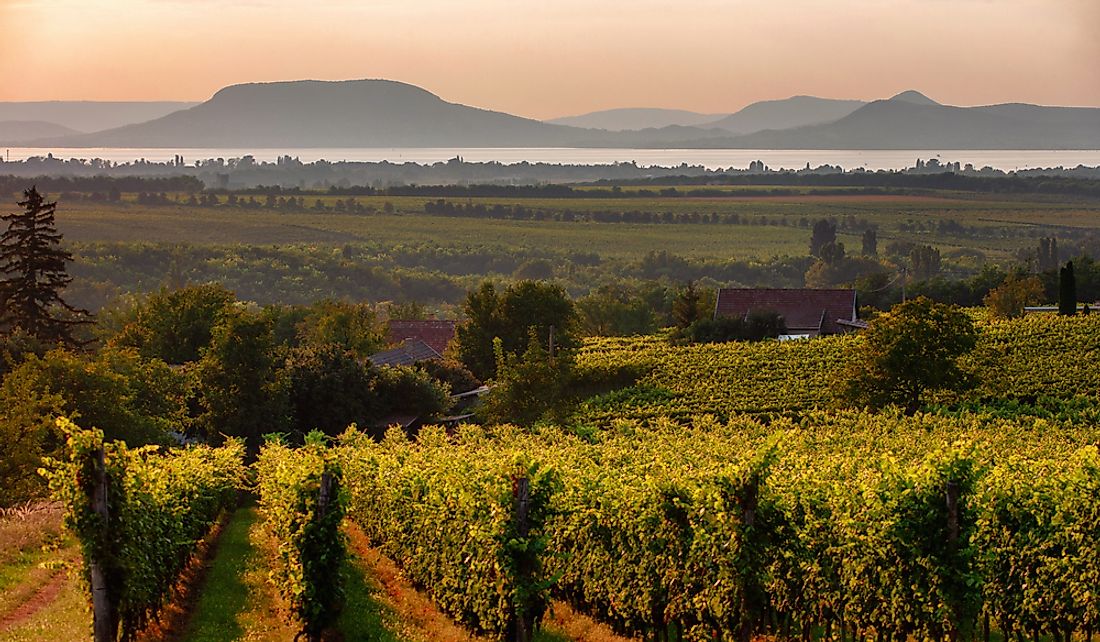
(560, 57)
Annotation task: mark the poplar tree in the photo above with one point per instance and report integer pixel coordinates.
(32, 275)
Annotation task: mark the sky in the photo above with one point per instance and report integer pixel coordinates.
(547, 58)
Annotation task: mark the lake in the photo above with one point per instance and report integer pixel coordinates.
(711, 158)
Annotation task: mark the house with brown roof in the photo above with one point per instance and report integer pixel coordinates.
(806, 313)
(437, 333)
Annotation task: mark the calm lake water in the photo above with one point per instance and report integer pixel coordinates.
(710, 158)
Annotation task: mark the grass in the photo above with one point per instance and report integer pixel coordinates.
(224, 596)
(236, 602)
(64, 619)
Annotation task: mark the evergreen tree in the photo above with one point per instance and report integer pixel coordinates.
(1067, 290)
(32, 275)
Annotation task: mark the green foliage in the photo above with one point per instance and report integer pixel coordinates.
(688, 306)
(240, 392)
(306, 531)
(175, 325)
(352, 326)
(127, 397)
(451, 373)
(614, 312)
(328, 389)
(159, 506)
(509, 316)
(757, 327)
(528, 388)
(1009, 298)
(913, 349)
(444, 511)
(410, 390)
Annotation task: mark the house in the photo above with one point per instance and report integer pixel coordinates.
(437, 333)
(807, 313)
(406, 354)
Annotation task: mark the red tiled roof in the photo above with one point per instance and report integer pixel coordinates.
(813, 311)
(434, 332)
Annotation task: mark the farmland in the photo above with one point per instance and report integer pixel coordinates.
(128, 247)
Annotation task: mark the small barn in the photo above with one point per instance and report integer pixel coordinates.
(807, 313)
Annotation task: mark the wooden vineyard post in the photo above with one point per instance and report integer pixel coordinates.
(952, 541)
(521, 494)
(324, 494)
(104, 610)
(750, 499)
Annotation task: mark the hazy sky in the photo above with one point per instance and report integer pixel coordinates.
(544, 58)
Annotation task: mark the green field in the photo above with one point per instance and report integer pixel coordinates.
(1007, 224)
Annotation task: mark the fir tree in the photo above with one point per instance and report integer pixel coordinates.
(32, 275)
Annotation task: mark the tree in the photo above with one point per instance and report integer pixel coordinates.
(129, 398)
(1009, 298)
(913, 349)
(685, 309)
(353, 326)
(613, 311)
(528, 387)
(32, 264)
(328, 389)
(870, 242)
(823, 234)
(509, 316)
(175, 325)
(925, 262)
(760, 325)
(240, 393)
(832, 253)
(1048, 254)
(1067, 291)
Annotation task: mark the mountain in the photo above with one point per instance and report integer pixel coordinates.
(914, 97)
(637, 118)
(311, 113)
(797, 111)
(88, 116)
(383, 113)
(16, 131)
(915, 124)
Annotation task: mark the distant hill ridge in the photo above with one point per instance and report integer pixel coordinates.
(15, 131)
(385, 113)
(636, 118)
(313, 113)
(89, 115)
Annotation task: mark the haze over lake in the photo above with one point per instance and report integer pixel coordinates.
(711, 158)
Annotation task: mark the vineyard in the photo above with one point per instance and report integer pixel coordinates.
(718, 496)
(1025, 359)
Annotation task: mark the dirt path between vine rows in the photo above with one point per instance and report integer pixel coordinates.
(424, 622)
(36, 600)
